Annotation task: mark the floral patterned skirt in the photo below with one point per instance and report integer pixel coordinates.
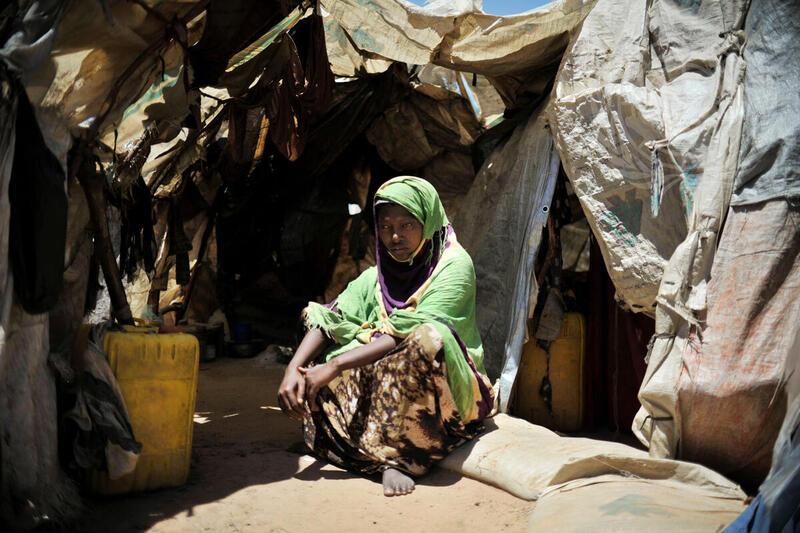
(396, 412)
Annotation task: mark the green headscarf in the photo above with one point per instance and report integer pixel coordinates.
(420, 199)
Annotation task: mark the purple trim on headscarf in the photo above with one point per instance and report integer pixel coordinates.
(400, 280)
(485, 403)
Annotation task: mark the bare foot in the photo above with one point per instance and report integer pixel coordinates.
(396, 483)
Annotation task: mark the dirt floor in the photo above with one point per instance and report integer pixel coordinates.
(250, 473)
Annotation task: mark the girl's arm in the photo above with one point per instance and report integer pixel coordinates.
(292, 388)
(320, 375)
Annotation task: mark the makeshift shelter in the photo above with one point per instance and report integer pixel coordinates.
(240, 145)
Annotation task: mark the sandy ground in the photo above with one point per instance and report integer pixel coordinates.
(250, 473)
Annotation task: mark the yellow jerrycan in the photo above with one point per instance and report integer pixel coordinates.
(567, 354)
(158, 377)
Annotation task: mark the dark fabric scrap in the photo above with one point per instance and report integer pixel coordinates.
(38, 222)
(179, 244)
(230, 26)
(137, 240)
(98, 416)
(288, 120)
(320, 82)
(356, 104)
(100, 419)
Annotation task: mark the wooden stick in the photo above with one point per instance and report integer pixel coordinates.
(92, 184)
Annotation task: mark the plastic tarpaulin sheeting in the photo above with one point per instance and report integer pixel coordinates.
(517, 182)
(731, 390)
(769, 158)
(647, 119)
(640, 98)
(92, 49)
(32, 487)
(486, 102)
(163, 106)
(345, 58)
(450, 34)
(726, 331)
(430, 132)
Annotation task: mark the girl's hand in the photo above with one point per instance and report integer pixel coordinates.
(290, 393)
(317, 377)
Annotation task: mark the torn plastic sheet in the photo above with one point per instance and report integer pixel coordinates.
(452, 81)
(483, 97)
(455, 35)
(518, 180)
(245, 67)
(526, 287)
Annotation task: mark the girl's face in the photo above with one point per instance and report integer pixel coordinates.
(399, 231)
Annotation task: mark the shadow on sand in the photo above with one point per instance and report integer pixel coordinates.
(241, 440)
